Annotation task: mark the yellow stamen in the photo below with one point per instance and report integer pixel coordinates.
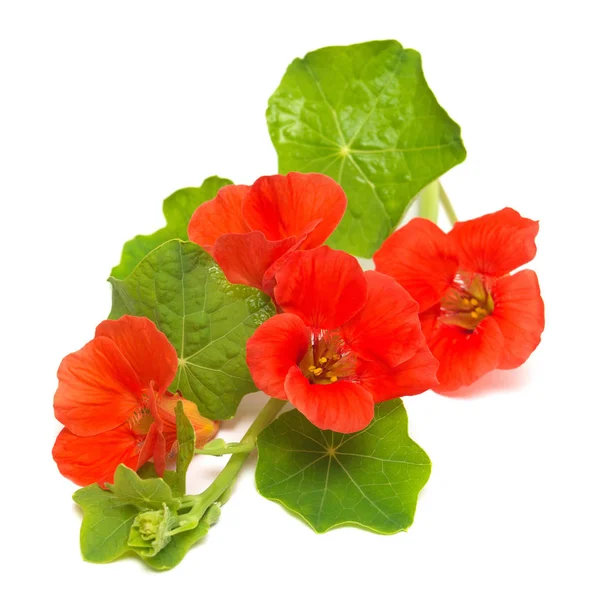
(474, 301)
(333, 379)
(322, 360)
(336, 357)
(474, 314)
(465, 301)
(312, 368)
(318, 371)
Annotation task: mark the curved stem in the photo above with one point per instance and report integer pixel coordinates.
(227, 476)
(429, 201)
(448, 208)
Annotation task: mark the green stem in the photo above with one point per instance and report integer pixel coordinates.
(429, 201)
(227, 476)
(448, 208)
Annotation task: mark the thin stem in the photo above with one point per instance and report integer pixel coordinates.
(227, 476)
(429, 201)
(448, 208)
(238, 448)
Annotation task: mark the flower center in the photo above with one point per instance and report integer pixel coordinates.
(141, 421)
(328, 359)
(468, 302)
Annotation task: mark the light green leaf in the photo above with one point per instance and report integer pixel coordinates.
(186, 445)
(365, 116)
(147, 471)
(207, 319)
(143, 493)
(106, 524)
(178, 209)
(370, 479)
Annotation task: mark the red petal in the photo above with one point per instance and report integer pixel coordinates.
(419, 257)
(154, 447)
(415, 376)
(245, 257)
(93, 459)
(147, 349)
(342, 406)
(205, 428)
(495, 244)
(275, 347)
(465, 356)
(222, 215)
(429, 320)
(98, 389)
(289, 205)
(324, 287)
(387, 328)
(519, 311)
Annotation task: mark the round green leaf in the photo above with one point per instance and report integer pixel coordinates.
(370, 479)
(365, 116)
(207, 319)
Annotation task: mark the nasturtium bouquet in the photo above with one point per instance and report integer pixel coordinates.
(257, 287)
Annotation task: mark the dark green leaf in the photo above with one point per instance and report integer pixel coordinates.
(143, 493)
(178, 209)
(207, 319)
(186, 445)
(371, 478)
(365, 116)
(106, 524)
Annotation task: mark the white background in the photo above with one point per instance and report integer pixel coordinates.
(108, 107)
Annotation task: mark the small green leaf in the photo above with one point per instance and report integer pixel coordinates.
(186, 444)
(207, 319)
(143, 493)
(365, 116)
(148, 471)
(178, 209)
(371, 478)
(106, 523)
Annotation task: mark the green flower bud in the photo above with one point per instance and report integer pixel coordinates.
(149, 532)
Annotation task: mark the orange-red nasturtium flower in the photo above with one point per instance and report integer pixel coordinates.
(250, 230)
(345, 340)
(112, 399)
(475, 315)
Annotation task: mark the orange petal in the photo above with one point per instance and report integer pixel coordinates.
(218, 217)
(205, 428)
(419, 257)
(324, 287)
(98, 389)
(387, 328)
(465, 356)
(494, 244)
(415, 376)
(342, 406)
(275, 347)
(283, 206)
(245, 257)
(148, 350)
(519, 311)
(93, 459)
